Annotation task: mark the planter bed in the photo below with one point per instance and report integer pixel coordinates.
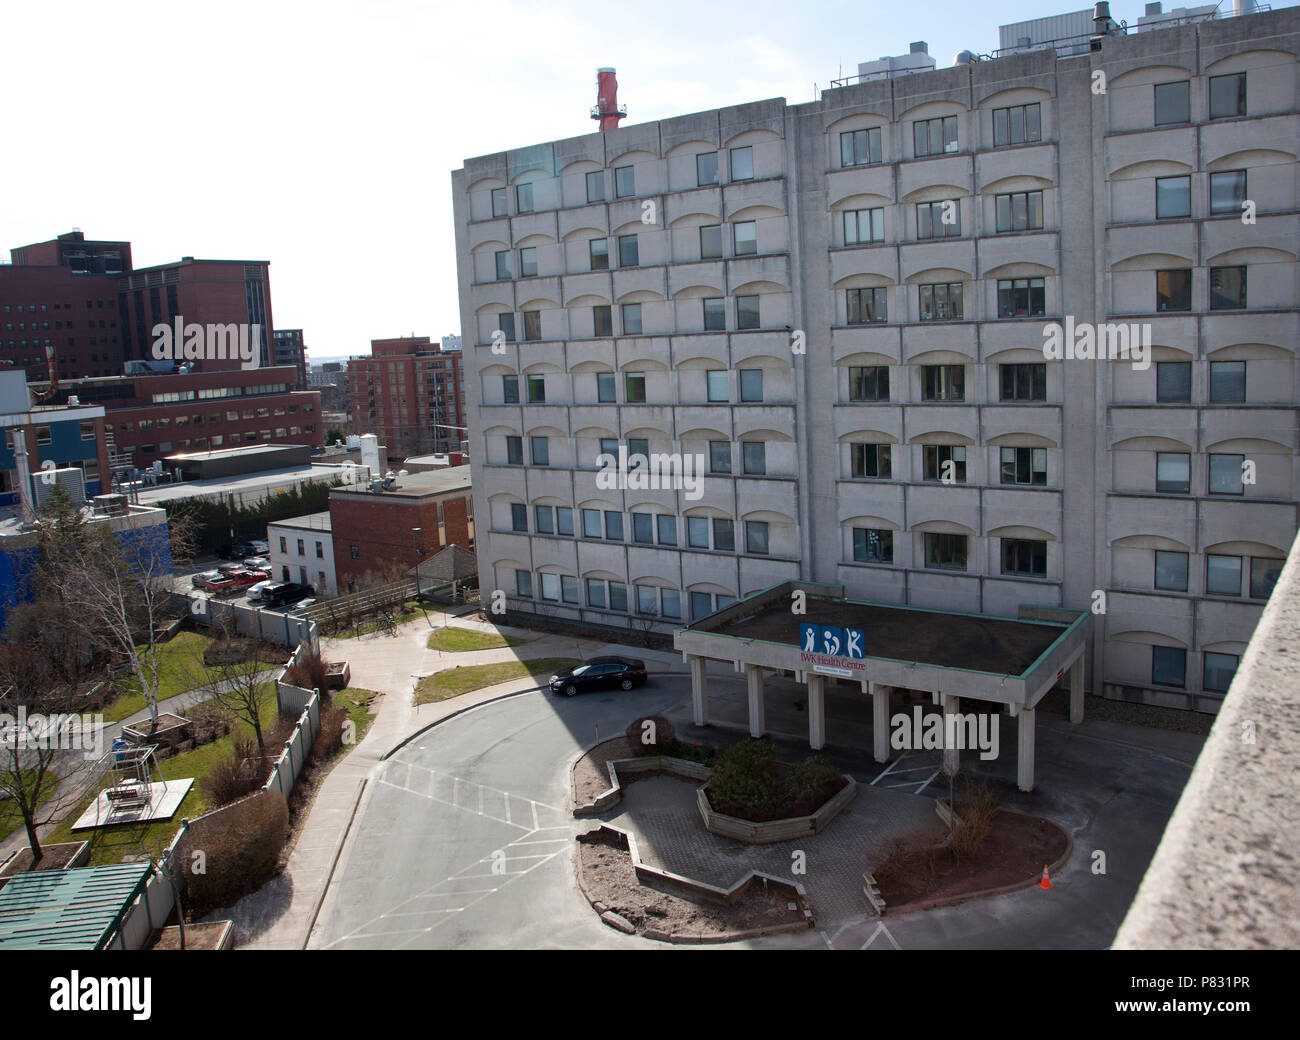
(171, 730)
(764, 832)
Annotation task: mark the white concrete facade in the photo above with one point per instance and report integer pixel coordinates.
(1055, 498)
(302, 550)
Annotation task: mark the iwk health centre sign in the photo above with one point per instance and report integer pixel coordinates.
(832, 650)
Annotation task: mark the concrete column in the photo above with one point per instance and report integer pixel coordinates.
(1076, 690)
(754, 681)
(816, 712)
(951, 755)
(699, 689)
(1025, 775)
(880, 720)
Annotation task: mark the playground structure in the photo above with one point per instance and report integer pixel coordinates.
(132, 789)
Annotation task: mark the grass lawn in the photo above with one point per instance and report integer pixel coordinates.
(453, 682)
(456, 640)
(10, 818)
(357, 703)
(111, 844)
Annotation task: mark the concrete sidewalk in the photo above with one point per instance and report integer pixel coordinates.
(281, 914)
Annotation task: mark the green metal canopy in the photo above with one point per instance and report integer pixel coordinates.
(76, 909)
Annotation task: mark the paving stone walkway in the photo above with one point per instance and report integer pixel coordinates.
(661, 812)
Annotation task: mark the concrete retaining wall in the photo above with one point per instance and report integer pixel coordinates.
(770, 831)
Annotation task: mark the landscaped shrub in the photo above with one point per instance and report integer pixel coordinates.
(309, 672)
(976, 809)
(240, 848)
(748, 782)
(812, 777)
(651, 735)
(330, 737)
(236, 776)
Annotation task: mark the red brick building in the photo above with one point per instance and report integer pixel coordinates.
(374, 532)
(410, 393)
(75, 315)
(289, 349)
(152, 416)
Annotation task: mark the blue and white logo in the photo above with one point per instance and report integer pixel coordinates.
(833, 641)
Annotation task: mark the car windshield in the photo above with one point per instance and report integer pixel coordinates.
(583, 669)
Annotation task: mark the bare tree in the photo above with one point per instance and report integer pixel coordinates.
(234, 679)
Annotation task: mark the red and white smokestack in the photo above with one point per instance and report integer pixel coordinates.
(607, 108)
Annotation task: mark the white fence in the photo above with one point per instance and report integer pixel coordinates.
(288, 697)
(151, 908)
(275, 626)
(296, 749)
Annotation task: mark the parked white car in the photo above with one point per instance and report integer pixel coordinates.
(255, 591)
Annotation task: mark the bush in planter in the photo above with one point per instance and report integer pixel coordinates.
(746, 782)
(651, 735)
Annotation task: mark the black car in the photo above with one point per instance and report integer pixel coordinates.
(285, 594)
(239, 551)
(600, 673)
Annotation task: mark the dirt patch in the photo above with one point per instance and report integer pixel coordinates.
(916, 871)
(197, 937)
(610, 883)
(591, 771)
(53, 857)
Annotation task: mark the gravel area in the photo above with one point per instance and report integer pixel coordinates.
(1102, 709)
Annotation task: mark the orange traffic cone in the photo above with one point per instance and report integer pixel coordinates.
(1046, 882)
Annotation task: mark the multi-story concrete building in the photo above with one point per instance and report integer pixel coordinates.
(410, 392)
(290, 349)
(845, 307)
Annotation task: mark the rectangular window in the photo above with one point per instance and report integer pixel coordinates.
(938, 219)
(598, 251)
(701, 605)
(871, 460)
(945, 552)
(1228, 96)
(719, 456)
(1227, 288)
(1225, 475)
(596, 594)
(864, 225)
(515, 451)
(1024, 465)
(634, 387)
(711, 242)
(543, 519)
(536, 389)
(629, 255)
(524, 584)
(43, 432)
(1168, 666)
(706, 168)
(528, 262)
(1020, 211)
(1021, 298)
(753, 458)
(724, 535)
(618, 596)
(666, 529)
(541, 451)
(940, 301)
(647, 600)
(523, 198)
(1025, 557)
(744, 238)
(860, 147)
(606, 390)
(1024, 381)
(1227, 192)
(1171, 571)
(1173, 105)
(943, 382)
(284, 544)
(751, 385)
(631, 314)
(624, 182)
(498, 202)
(1173, 197)
(551, 587)
(1174, 290)
(596, 186)
(934, 136)
(944, 462)
(1173, 381)
(532, 325)
(742, 164)
(747, 312)
(866, 306)
(518, 517)
(1263, 576)
(1017, 125)
(715, 314)
(869, 383)
(602, 320)
(1217, 670)
(564, 520)
(643, 528)
(320, 551)
(613, 526)
(697, 532)
(873, 545)
(591, 523)
(1227, 382)
(638, 446)
(718, 389)
(1222, 575)
(1173, 472)
(756, 541)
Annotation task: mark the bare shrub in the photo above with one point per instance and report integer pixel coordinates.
(976, 809)
(309, 671)
(330, 737)
(650, 739)
(240, 848)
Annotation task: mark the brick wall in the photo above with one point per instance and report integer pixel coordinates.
(379, 526)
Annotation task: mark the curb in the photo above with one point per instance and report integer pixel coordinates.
(451, 715)
(334, 862)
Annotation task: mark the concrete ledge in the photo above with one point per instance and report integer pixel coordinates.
(1224, 875)
(629, 766)
(770, 831)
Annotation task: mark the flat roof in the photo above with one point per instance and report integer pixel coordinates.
(306, 522)
(973, 642)
(232, 453)
(234, 485)
(417, 485)
(77, 909)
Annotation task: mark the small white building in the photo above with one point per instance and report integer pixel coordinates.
(302, 550)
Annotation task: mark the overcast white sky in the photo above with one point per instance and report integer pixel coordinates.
(320, 136)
